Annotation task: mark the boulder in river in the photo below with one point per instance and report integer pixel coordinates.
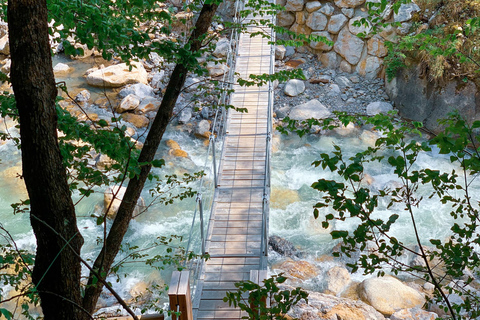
(298, 270)
(413, 314)
(311, 109)
(116, 194)
(338, 278)
(388, 294)
(118, 75)
(283, 246)
(327, 307)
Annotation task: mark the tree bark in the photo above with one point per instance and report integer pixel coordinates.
(57, 270)
(120, 224)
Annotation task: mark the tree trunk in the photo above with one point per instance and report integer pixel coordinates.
(120, 224)
(57, 270)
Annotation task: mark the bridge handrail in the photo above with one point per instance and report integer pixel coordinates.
(218, 127)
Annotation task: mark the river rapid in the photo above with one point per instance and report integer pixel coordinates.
(291, 215)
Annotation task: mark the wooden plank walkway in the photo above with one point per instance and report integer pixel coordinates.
(235, 227)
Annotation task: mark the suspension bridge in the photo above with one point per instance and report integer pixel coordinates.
(235, 234)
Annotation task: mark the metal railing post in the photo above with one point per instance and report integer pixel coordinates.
(202, 229)
(212, 141)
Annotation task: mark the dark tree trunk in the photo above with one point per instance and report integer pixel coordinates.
(120, 224)
(57, 269)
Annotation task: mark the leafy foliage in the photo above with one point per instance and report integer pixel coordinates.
(348, 198)
(265, 301)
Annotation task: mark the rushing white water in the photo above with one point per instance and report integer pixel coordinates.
(291, 215)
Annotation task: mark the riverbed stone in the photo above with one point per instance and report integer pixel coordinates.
(116, 195)
(349, 46)
(413, 314)
(140, 90)
(221, 48)
(377, 107)
(185, 115)
(317, 21)
(283, 246)
(294, 87)
(311, 109)
(147, 105)
(130, 102)
(202, 129)
(312, 6)
(348, 3)
(294, 5)
(388, 294)
(285, 18)
(321, 45)
(405, 12)
(4, 45)
(336, 23)
(280, 51)
(118, 75)
(216, 69)
(327, 307)
(83, 96)
(338, 278)
(281, 198)
(139, 121)
(298, 269)
(61, 68)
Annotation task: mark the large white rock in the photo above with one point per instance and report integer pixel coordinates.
(336, 23)
(280, 51)
(116, 195)
(222, 47)
(349, 46)
(4, 45)
(348, 3)
(413, 314)
(370, 67)
(139, 89)
(317, 21)
(388, 295)
(377, 107)
(294, 5)
(285, 19)
(321, 45)
(311, 109)
(294, 87)
(338, 278)
(130, 102)
(405, 12)
(216, 69)
(61, 68)
(118, 75)
(327, 307)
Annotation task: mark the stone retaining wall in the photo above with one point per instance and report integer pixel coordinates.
(334, 19)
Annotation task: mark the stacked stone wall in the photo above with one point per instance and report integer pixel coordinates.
(335, 20)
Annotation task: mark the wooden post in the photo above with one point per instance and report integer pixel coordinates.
(179, 295)
(257, 276)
